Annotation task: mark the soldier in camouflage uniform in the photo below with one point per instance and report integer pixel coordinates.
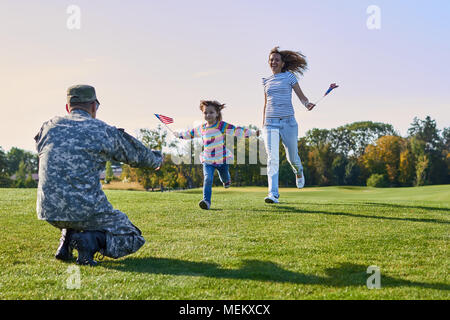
(73, 151)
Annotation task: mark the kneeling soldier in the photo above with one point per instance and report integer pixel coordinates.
(73, 151)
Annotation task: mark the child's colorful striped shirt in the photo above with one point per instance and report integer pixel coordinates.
(214, 150)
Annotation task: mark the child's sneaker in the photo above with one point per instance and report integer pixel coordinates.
(204, 204)
(271, 199)
(300, 180)
(226, 185)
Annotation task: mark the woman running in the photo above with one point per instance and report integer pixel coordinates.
(279, 120)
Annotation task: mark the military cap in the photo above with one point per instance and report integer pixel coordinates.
(81, 93)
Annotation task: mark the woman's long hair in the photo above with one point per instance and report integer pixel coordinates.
(294, 61)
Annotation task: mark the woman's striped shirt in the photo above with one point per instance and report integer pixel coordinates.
(278, 89)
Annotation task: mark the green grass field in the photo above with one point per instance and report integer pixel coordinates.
(316, 244)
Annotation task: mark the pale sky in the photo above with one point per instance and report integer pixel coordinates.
(146, 57)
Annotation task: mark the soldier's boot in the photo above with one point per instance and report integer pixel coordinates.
(87, 244)
(64, 251)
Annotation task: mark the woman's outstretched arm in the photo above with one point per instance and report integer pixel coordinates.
(304, 100)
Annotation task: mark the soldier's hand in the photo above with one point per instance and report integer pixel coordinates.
(160, 155)
(162, 160)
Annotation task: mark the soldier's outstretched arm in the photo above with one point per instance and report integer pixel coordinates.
(127, 149)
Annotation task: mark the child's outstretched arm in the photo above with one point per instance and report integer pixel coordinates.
(239, 132)
(308, 105)
(189, 134)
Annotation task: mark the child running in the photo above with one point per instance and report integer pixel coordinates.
(215, 155)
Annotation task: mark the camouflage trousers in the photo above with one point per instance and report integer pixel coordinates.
(122, 237)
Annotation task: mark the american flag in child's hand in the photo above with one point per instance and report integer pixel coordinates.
(164, 119)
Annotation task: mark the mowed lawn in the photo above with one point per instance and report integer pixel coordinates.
(316, 244)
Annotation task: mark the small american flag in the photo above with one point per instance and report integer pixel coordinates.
(332, 86)
(164, 119)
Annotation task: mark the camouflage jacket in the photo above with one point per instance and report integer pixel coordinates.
(73, 151)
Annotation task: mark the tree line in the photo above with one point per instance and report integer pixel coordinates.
(374, 154)
(20, 165)
(360, 153)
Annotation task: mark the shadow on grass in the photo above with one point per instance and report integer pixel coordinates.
(284, 208)
(345, 275)
(399, 206)
(387, 205)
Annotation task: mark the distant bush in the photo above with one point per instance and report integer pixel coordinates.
(29, 182)
(5, 182)
(377, 181)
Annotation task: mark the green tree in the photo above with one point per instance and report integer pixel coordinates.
(126, 173)
(426, 130)
(361, 134)
(406, 168)
(321, 159)
(422, 168)
(352, 173)
(446, 151)
(3, 162)
(330, 151)
(338, 169)
(146, 181)
(15, 156)
(154, 139)
(377, 181)
(384, 157)
(170, 179)
(446, 139)
(29, 181)
(350, 139)
(181, 181)
(109, 174)
(21, 175)
(317, 138)
(5, 182)
(426, 140)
